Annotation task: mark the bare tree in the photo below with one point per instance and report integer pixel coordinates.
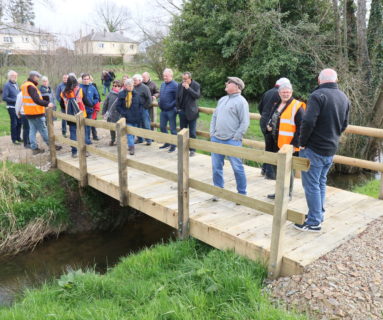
(111, 17)
(363, 57)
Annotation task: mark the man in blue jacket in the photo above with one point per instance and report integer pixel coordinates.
(10, 91)
(167, 105)
(91, 97)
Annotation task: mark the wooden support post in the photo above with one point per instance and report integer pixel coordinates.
(121, 131)
(381, 186)
(284, 167)
(81, 150)
(183, 184)
(155, 110)
(51, 136)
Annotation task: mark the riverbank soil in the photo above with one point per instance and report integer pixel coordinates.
(347, 283)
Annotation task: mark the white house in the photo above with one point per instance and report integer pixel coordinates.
(25, 40)
(108, 44)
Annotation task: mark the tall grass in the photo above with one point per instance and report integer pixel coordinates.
(370, 188)
(181, 280)
(5, 129)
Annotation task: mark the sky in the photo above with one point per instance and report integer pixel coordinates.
(67, 17)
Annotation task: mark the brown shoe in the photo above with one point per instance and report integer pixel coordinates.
(37, 151)
(111, 143)
(131, 151)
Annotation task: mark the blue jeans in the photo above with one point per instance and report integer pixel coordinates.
(37, 124)
(145, 123)
(106, 88)
(88, 128)
(314, 184)
(191, 124)
(131, 136)
(170, 116)
(15, 125)
(73, 135)
(218, 161)
(25, 123)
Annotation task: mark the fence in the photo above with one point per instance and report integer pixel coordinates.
(284, 160)
(351, 129)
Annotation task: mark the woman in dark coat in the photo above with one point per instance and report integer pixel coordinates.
(109, 110)
(128, 106)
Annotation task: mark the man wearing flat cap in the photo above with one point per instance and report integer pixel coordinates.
(228, 125)
(34, 108)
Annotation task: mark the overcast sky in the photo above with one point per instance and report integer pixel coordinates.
(67, 17)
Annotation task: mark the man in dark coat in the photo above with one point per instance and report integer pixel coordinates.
(325, 119)
(188, 92)
(153, 91)
(268, 102)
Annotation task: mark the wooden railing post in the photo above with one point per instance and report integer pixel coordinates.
(51, 137)
(81, 150)
(121, 131)
(381, 186)
(183, 184)
(284, 165)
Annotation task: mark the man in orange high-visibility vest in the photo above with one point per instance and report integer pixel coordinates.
(34, 109)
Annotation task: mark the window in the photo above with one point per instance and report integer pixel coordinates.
(8, 39)
(25, 39)
(113, 45)
(44, 42)
(100, 45)
(131, 47)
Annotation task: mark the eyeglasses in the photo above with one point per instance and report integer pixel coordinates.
(116, 86)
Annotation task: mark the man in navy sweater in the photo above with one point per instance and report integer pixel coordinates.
(10, 91)
(167, 105)
(326, 117)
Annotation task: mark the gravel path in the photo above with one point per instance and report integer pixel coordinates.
(347, 283)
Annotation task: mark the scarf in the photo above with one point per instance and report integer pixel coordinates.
(128, 99)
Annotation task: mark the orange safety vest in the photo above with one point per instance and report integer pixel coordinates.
(287, 127)
(30, 107)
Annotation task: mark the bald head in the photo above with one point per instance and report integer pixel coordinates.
(327, 75)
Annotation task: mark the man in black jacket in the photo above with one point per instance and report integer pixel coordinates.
(153, 91)
(188, 92)
(326, 117)
(145, 103)
(268, 102)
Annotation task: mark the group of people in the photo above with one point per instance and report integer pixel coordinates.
(313, 129)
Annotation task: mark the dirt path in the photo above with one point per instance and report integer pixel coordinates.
(347, 283)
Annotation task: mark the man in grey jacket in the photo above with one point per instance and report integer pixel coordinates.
(228, 125)
(145, 103)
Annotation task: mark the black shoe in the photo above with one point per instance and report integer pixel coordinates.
(20, 140)
(271, 196)
(307, 227)
(27, 146)
(192, 153)
(96, 138)
(58, 148)
(268, 177)
(148, 143)
(164, 146)
(37, 151)
(138, 141)
(172, 149)
(111, 143)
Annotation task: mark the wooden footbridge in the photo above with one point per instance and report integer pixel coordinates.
(177, 190)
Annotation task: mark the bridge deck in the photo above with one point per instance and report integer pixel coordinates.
(224, 224)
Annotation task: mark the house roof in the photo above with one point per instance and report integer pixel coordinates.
(21, 30)
(106, 37)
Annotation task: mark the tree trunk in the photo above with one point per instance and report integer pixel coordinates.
(363, 57)
(338, 35)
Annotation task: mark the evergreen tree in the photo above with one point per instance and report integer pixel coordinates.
(21, 11)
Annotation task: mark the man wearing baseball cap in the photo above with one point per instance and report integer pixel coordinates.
(228, 125)
(34, 108)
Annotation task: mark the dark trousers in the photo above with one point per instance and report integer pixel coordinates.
(191, 124)
(168, 116)
(15, 125)
(63, 124)
(271, 146)
(73, 135)
(25, 124)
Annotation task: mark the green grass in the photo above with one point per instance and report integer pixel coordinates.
(5, 129)
(181, 280)
(370, 188)
(27, 194)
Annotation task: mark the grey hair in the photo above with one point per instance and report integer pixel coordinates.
(187, 73)
(72, 74)
(128, 82)
(281, 81)
(168, 70)
(44, 78)
(10, 72)
(285, 85)
(328, 75)
(137, 76)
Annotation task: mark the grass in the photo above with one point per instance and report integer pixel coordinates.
(181, 280)
(370, 188)
(4, 121)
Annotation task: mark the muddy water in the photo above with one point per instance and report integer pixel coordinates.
(99, 250)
